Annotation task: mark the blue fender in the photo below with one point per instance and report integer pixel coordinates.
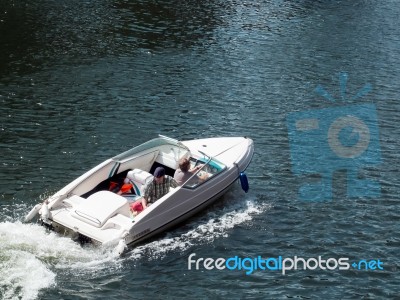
(244, 182)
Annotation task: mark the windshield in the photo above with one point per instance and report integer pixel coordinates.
(154, 143)
(210, 168)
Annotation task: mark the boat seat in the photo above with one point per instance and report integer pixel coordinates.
(99, 207)
(139, 179)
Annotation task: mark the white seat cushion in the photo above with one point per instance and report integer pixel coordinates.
(99, 207)
(139, 178)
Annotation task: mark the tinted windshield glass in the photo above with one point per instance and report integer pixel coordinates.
(209, 169)
(148, 145)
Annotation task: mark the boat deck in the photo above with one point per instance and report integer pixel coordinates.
(113, 227)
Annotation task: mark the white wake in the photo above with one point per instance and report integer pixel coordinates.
(31, 257)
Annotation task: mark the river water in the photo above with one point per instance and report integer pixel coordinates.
(81, 81)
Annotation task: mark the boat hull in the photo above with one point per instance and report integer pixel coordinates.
(85, 210)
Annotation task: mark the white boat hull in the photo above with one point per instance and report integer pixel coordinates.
(86, 208)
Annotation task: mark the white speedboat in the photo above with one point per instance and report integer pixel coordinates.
(88, 209)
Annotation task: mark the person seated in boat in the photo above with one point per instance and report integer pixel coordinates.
(184, 173)
(154, 190)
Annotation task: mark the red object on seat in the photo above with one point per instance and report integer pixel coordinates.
(137, 206)
(126, 188)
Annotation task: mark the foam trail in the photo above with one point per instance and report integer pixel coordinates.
(30, 257)
(23, 268)
(22, 275)
(214, 225)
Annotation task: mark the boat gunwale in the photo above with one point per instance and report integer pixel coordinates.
(190, 212)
